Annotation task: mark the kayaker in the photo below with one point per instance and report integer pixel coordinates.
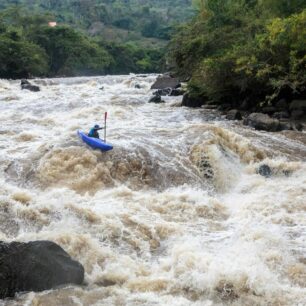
(94, 131)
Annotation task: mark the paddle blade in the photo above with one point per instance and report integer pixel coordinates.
(105, 116)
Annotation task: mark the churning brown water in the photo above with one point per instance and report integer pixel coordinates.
(176, 214)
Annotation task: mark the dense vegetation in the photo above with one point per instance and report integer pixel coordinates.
(243, 52)
(92, 37)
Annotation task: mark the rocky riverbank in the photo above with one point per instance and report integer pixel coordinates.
(283, 114)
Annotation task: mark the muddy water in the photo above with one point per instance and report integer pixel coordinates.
(176, 214)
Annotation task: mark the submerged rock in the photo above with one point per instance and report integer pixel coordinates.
(264, 170)
(25, 84)
(262, 122)
(36, 266)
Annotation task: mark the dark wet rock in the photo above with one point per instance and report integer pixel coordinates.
(297, 114)
(166, 82)
(264, 170)
(25, 84)
(36, 266)
(269, 110)
(101, 88)
(137, 86)
(262, 122)
(281, 115)
(233, 114)
(156, 99)
(162, 92)
(192, 101)
(281, 105)
(177, 92)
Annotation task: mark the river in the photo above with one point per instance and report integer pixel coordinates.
(177, 214)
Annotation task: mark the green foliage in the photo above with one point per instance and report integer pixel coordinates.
(70, 52)
(30, 47)
(19, 57)
(236, 49)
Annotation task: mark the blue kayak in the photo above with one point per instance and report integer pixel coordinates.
(95, 143)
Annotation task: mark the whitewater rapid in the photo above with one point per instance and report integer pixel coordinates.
(177, 214)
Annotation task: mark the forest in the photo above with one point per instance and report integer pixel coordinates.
(91, 37)
(243, 53)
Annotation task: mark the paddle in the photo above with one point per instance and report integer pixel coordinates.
(105, 117)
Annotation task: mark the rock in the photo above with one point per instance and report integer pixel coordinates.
(166, 82)
(25, 84)
(137, 86)
(177, 92)
(281, 105)
(101, 88)
(156, 99)
(269, 110)
(297, 114)
(233, 114)
(36, 266)
(30, 87)
(264, 170)
(262, 122)
(191, 101)
(162, 92)
(281, 115)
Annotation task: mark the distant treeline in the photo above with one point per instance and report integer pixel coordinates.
(29, 47)
(243, 51)
(149, 18)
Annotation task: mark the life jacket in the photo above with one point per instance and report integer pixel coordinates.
(93, 133)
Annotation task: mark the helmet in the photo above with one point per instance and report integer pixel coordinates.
(97, 126)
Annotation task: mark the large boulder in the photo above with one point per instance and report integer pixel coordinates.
(192, 101)
(165, 81)
(25, 84)
(233, 114)
(262, 122)
(36, 266)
